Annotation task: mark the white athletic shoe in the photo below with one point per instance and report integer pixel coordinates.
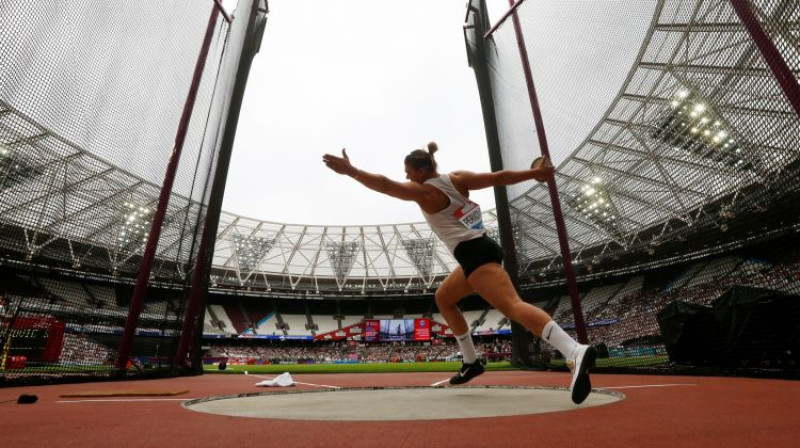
(581, 360)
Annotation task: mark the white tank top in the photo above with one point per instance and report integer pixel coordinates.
(459, 221)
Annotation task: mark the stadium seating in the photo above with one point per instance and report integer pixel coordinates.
(71, 293)
(627, 310)
(491, 321)
(471, 317)
(351, 320)
(714, 269)
(225, 322)
(325, 324)
(685, 277)
(297, 324)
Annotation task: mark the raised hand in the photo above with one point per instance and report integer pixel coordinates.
(340, 165)
(542, 169)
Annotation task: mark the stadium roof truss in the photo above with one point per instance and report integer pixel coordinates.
(698, 120)
(334, 258)
(60, 201)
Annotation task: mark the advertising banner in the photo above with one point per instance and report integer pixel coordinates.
(422, 329)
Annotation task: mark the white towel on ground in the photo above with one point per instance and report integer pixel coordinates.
(282, 380)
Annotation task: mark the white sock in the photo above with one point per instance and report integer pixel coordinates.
(467, 347)
(558, 338)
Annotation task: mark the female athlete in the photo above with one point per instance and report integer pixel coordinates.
(444, 201)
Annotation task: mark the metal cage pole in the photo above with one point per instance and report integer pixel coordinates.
(520, 338)
(561, 228)
(776, 63)
(195, 309)
(146, 266)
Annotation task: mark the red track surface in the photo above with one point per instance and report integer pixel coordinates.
(708, 412)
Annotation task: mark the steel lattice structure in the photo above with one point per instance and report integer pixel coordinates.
(377, 258)
(699, 134)
(63, 204)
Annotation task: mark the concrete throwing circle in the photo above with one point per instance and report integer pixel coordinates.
(399, 403)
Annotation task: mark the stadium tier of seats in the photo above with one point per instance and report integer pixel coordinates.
(296, 324)
(325, 324)
(350, 320)
(621, 314)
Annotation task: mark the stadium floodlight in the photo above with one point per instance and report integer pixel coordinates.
(690, 124)
(342, 255)
(14, 169)
(250, 250)
(421, 253)
(135, 225)
(594, 203)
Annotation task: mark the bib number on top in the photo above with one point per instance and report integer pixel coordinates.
(470, 216)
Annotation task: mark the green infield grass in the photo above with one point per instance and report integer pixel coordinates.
(353, 368)
(638, 361)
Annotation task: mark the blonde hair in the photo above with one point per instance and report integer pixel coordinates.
(420, 158)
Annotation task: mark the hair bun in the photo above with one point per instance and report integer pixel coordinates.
(432, 147)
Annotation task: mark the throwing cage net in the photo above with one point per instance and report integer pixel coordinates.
(673, 124)
(96, 99)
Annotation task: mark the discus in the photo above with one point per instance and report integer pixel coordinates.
(539, 162)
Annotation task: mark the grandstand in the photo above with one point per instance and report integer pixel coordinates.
(619, 312)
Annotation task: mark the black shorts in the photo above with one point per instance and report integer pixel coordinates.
(472, 254)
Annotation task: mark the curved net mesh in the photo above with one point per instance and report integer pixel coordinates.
(91, 98)
(673, 129)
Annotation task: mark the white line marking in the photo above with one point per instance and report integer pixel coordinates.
(318, 385)
(648, 385)
(298, 382)
(124, 400)
(440, 382)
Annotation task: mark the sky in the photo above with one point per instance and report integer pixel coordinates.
(379, 77)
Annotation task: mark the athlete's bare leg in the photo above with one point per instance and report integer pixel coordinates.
(454, 288)
(450, 292)
(492, 282)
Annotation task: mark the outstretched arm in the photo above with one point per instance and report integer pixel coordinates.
(407, 191)
(541, 171)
